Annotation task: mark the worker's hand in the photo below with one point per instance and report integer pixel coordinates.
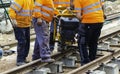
(78, 15)
(68, 8)
(14, 23)
(39, 21)
(54, 16)
(105, 17)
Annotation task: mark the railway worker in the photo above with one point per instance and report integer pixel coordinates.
(21, 14)
(43, 14)
(57, 3)
(90, 13)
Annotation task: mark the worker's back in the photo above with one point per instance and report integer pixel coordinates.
(61, 3)
(44, 9)
(91, 10)
(21, 10)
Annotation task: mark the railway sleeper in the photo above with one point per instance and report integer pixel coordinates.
(69, 61)
(109, 68)
(96, 72)
(40, 71)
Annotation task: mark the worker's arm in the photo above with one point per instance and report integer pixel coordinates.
(37, 11)
(56, 11)
(78, 14)
(37, 8)
(103, 7)
(12, 15)
(71, 4)
(77, 9)
(15, 7)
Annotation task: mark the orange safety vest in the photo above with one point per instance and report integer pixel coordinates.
(56, 11)
(21, 10)
(61, 3)
(91, 10)
(44, 9)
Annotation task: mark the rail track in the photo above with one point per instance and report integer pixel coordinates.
(70, 70)
(106, 57)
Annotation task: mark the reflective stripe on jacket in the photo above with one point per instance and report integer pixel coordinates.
(21, 10)
(44, 9)
(62, 3)
(91, 10)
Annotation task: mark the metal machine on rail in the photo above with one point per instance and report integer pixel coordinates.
(65, 29)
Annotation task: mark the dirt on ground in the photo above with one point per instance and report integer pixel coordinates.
(8, 62)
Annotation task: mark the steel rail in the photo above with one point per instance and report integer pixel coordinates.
(112, 13)
(95, 64)
(30, 66)
(109, 32)
(113, 16)
(57, 56)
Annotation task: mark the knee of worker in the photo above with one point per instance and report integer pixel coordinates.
(81, 29)
(51, 27)
(81, 33)
(81, 40)
(22, 43)
(92, 41)
(45, 31)
(34, 20)
(20, 47)
(93, 45)
(51, 30)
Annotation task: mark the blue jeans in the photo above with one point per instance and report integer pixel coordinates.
(22, 35)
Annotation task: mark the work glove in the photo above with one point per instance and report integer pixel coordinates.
(39, 21)
(14, 23)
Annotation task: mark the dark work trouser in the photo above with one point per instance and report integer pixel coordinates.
(23, 37)
(88, 38)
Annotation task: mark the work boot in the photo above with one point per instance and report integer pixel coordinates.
(26, 61)
(20, 63)
(47, 60)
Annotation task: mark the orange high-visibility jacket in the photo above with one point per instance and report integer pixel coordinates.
(56, 11)
(62, 3)
(44, 9)
(90, 10)
(21, 10)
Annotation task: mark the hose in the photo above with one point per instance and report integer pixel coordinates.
(6, 12)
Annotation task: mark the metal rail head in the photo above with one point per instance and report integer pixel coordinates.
(27, 67)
